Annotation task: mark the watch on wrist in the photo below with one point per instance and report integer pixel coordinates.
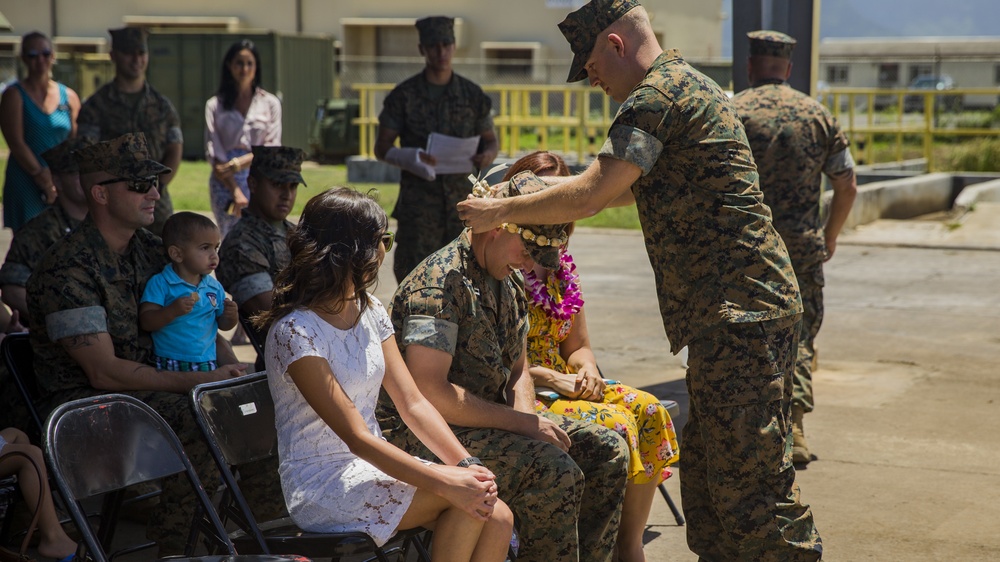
(469, 461)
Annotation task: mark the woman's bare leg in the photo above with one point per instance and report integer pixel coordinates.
(494, 540)
(635, 514)
(54, 543)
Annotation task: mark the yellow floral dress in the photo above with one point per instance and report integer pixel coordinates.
(636, 415)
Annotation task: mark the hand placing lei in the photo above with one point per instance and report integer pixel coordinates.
(542, 297)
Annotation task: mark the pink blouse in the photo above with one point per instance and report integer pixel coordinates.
(229, 129)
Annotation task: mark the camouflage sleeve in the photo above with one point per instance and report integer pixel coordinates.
(393, 113)
(174, 134)
(485, 121)
(838, 163)
(250, 286)
(69, 300)
(88, 124)
(432, 319)
(15, 270)
(632, 135)
(240, 260)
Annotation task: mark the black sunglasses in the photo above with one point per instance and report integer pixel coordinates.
(141, 185)
(387, 239)
(33, 53)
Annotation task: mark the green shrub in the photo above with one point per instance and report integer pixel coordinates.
(981, 155)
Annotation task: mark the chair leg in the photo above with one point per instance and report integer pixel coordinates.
(673, 508)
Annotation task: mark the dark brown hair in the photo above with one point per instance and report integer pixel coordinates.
(179, 227)
(336, 243)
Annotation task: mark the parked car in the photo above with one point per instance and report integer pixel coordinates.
(942, 83)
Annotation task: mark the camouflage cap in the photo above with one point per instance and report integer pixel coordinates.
(124, 157)
(766, 43)
(436, 29)
(543, 241)
(60, 157)
(582, 27)
(129, 39)
(280, 164)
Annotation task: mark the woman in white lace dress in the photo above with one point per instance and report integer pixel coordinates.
(329, 351)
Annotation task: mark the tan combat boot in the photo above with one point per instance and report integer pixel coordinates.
(800, 447)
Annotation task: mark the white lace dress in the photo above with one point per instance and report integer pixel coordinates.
(326, 487)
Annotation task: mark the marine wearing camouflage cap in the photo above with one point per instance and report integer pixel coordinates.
(542, 241)
(767, 43)
(60, 157)
(129, 39)
(125, 157)
(280, 164)
(582, 27)
(435, 30)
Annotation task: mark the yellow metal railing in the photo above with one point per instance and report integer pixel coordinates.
(865, 113)
(541, 109)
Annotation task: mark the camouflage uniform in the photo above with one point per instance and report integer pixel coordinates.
(450, 303)
(30, 243)
(82, 287)
(425, 211)
(109, 113)
(726, 289)
(795, 140)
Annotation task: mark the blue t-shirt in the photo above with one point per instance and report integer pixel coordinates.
(190, 337)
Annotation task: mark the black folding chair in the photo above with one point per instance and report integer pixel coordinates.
(256, 339)
(100, 446)
(237, 418)
(20, 361)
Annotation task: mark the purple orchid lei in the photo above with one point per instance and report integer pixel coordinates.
(572, 299)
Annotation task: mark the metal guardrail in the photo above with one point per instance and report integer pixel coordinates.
(865, 113)
(564, 115)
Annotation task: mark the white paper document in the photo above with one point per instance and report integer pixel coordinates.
(453, 154)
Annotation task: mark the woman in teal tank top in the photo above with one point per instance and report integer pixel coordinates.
(36, 113)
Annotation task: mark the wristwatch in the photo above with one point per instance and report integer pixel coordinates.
(469, 461)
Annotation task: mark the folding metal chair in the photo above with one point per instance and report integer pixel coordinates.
(256, 339)
(237, 418)
(20, 361)
(100, 446)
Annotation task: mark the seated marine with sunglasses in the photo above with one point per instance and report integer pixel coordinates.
(255, 249)
(84, 296)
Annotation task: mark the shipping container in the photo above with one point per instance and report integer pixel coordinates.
(299, 69)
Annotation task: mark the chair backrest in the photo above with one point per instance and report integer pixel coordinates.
(20, 361)
(237, 418)
(256, 339)
(106, 443)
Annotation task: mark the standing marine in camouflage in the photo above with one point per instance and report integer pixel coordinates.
(795, 140)
(84, 297)
(32, 240)
(724, 281)
(128, 104)
(461, 322)
(435, 101)
(256, 249)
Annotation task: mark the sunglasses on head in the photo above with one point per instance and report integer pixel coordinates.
(140, 185)
(33, 53)
(387, 239)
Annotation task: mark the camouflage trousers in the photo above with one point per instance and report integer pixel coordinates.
(426, 219)
(164, 208)
(811, 286)
(737, 480)
(170, 523)
(567, 507)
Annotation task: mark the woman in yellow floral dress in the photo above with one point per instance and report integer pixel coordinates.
(564, 370)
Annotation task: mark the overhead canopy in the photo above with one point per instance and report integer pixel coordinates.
(4, 24)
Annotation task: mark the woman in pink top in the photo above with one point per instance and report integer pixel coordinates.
(240, 115)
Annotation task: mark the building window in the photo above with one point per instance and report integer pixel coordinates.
(836, 74)
(996, 74)
(920, 70)
(888, 74)
(513, 61)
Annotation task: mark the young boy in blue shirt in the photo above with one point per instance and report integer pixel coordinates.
(183, 306)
